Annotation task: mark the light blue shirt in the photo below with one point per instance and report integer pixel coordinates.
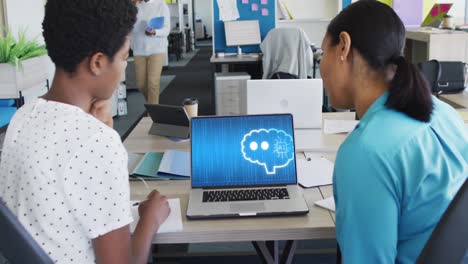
(394, 178)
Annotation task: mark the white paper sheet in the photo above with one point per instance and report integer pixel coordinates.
(314, 172)
(332, 126)
(311, 155)
(173, 223)
(228, 10)
(328, 203)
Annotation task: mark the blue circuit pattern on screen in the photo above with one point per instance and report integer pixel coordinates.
(243, 151)
(270, 148)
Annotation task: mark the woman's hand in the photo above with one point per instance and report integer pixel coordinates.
(151, 32)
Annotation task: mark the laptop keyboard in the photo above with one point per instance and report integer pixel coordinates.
(245, 195)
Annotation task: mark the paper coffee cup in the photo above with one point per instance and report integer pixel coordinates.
(191, 107)
(447, 22)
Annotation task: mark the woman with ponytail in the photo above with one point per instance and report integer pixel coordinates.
(399, 169)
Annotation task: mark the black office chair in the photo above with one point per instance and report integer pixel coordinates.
(449, 240)
(16, 245)
(283, 75)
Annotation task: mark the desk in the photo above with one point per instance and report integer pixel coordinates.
(234, 59)
(139, 141)
(423, 44)
(250, 63)
(459, 100)
(317, 224)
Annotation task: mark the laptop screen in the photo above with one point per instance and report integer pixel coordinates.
(243, 151)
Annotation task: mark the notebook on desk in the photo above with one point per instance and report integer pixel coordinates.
(244, 166)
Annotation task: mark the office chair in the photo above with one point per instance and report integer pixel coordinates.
(16, 245)
(287, 54)
(449, 240)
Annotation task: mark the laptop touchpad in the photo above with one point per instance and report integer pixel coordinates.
(247, 207)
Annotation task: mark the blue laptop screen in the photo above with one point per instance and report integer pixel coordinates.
(243, 151)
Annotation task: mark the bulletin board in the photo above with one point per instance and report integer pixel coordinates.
(262, 10)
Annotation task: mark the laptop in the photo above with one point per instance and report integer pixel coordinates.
(168, 120)
(244, 166)
(436, 15)
(303, 98)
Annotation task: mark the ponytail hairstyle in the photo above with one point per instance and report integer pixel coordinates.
(378, 34)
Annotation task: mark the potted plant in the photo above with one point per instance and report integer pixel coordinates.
(22, 64)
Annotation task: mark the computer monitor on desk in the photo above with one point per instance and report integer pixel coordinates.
(241, 33)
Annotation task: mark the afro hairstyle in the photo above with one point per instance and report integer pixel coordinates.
(76, 29)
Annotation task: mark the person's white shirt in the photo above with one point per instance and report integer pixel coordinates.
(142, 44)
(64, 174)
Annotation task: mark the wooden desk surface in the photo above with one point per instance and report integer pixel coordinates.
(460, 99)
(425, 34)
(139, 141)
(317, 224)
(327, 191)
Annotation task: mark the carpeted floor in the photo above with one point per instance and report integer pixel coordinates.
(165, 81)
(192, 81)
(186, 58)
(307, 251)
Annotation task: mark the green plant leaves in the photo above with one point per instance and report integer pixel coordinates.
(13, 51)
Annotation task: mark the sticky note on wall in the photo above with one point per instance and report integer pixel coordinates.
(245, 2)
(264, 2)
(254, 7)
(265, 12)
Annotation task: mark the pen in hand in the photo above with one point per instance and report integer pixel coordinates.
(138, 203)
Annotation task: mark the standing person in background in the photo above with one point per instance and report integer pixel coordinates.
(150, 47)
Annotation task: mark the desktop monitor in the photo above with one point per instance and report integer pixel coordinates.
(242, 32)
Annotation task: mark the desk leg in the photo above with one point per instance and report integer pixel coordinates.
(213, 91)
(268, 251)
(224, 68)
(288, 251)
(314, 68)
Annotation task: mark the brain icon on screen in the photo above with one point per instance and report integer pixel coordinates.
(270, 148)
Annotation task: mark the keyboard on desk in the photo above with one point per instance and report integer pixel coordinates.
(245, 195)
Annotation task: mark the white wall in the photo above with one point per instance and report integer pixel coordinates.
(318, 9)
(203, 10)
(28, 14)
